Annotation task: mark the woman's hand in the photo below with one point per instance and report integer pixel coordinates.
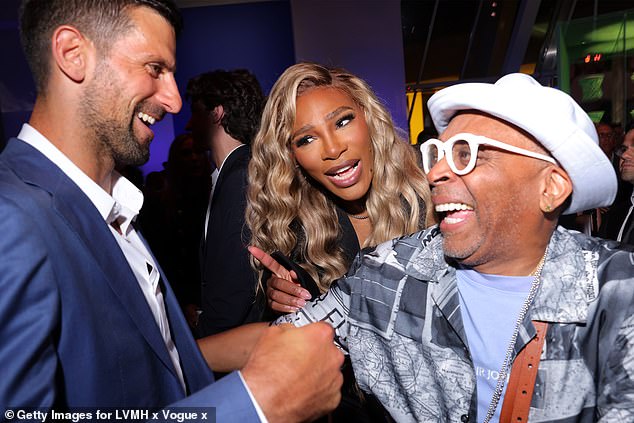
(283, 292)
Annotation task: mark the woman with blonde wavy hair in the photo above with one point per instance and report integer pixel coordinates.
(329, 175)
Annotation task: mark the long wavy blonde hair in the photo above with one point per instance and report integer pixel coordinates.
(290, 212)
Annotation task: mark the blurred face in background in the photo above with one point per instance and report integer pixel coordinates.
(200, 126)
(626, 157)
(188, 161)
(607, 139)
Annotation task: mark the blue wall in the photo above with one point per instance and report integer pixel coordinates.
(362, 36)
(255, 36)
(17, 90)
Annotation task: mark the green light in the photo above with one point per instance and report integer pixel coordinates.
(596, 116)
(591, 87)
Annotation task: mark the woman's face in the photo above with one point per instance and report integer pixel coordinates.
(331, 143)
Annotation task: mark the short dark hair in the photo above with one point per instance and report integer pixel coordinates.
(101, 20)
(239, 93)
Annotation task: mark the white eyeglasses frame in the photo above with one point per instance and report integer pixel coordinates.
(474, 142)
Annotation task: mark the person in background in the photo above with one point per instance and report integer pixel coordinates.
(87, 318)
(173, 216)
(226, 111)
(618, 223)
(590, 221)
(329, 175)
(607, 138)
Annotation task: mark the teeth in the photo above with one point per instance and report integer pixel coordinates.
(342, 173)
(146, 118)
(452, 220)
(452, 207)
(343, 170)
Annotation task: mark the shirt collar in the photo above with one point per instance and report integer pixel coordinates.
(127, 202)
(225, 160)
(126, 199)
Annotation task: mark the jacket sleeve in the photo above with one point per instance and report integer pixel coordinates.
(29, 310)
(228, 396)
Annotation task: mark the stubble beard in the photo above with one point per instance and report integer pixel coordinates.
(112, 131)
(474, 251)
(462, 251)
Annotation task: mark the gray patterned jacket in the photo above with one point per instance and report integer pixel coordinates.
(397, 313)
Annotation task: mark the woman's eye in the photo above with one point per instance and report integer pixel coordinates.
(344, 121)
(307, 139)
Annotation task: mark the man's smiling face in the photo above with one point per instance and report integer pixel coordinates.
(490, 215)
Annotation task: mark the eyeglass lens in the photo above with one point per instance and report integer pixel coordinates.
(460, 154)
(432, 154)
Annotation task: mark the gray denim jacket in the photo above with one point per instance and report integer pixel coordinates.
(397, 313)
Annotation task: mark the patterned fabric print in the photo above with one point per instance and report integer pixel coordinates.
(397, 313)
(398, 372)
(617, 397)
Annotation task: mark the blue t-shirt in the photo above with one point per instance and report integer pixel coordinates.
(490, 305)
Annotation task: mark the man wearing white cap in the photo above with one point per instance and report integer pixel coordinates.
(496, 314)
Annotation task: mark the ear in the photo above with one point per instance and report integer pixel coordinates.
(556, 188)
(217, 113)
(70, 50)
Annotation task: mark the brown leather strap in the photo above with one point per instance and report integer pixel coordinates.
(519, 393)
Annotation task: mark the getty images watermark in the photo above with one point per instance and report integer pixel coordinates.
(122, 415)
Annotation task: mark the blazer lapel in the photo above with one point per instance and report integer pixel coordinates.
(99, 241)
(195, 369)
